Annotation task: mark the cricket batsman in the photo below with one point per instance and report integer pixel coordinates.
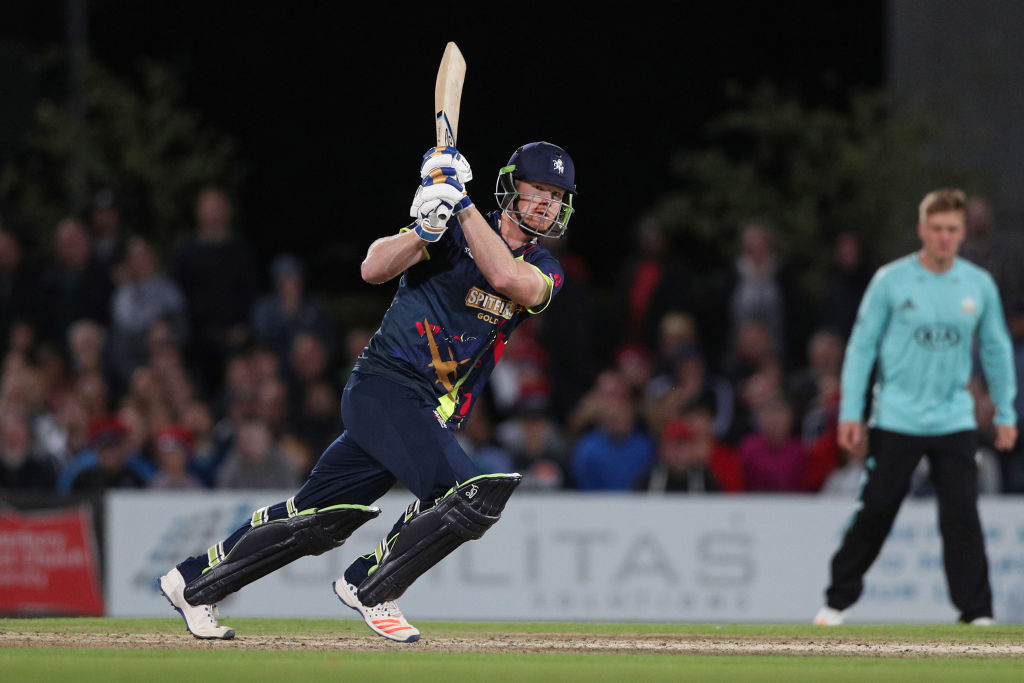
(466, 280)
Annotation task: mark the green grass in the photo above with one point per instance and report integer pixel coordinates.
(222, 662)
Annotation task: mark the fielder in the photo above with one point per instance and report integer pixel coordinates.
(920, 318)
(467, 281)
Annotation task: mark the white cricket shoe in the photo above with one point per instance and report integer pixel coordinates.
(983, 621)
(200, 620)
(385, 619)
(827, 616)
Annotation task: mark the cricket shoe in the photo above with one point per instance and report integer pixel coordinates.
(385, 619)
(200, 620)
(827, 616)
(982, 621)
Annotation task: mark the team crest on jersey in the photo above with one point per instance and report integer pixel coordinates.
(968, 305)
(490, 304)
(558, 165)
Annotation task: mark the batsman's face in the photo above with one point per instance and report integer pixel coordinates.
(941, 235)
(539, 204)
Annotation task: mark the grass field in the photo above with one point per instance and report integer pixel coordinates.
(153, 650)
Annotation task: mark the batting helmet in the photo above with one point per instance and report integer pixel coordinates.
(538, 162)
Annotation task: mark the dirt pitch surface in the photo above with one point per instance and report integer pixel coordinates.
(668, 644)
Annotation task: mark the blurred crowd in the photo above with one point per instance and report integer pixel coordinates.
(124, 367)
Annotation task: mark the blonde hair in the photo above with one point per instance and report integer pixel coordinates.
(937, 201)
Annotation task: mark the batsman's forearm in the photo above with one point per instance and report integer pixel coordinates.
(515, 279)
(390, 256)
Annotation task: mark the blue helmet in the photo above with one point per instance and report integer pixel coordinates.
(539, 162)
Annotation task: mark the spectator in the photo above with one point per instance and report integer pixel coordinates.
(537, 448)
(721, 458)
(571, 315)
(478, 440)
(207, 453)
(107, 248)
(683, 463)
(71, 285)
(611, 456)
(763, 288)
(689, 380)
(319, 422)
(87, 344)
(172, 447)
(217, 273)
(773, 459)
(636, 365)
(586, 414)
(106, 464)
(63, 433)
(845, 283)
(522, 374)
(278, 317)
(676, 331)
(272, 405)
(1000, 252)
(297, 451)
(652, 282)
(820, 437)
(18, 287)
(356, 340)
(1013, 460)
(309, 363)
(255, 461)
(765, 384)
(143, 297)
(809, 386)
(21, 469)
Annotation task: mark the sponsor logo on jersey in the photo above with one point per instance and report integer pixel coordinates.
(478, 298)
(937, 336)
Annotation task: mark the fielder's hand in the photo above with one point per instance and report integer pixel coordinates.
(852, 438)
(439, 197)
(450, 160)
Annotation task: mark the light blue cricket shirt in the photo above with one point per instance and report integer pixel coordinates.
(920, 327)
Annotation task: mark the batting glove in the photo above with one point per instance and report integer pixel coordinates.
(439, 197)
(448, 159)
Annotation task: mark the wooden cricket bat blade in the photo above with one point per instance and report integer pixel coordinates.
(448, 94)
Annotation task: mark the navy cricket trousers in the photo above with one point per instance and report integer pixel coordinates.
(392, 434)
(954, 472)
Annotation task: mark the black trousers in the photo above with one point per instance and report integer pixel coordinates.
(954, 472)
(392, 435)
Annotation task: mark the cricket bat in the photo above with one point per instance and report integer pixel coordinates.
(448, 94)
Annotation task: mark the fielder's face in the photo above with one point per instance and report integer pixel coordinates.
(538, 204)
(941, 235)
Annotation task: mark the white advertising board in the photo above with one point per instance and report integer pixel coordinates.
(629, 557)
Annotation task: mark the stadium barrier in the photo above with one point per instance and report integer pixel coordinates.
(49, 563)
(595, 557)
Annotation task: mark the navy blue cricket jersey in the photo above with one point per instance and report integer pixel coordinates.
(447, 327)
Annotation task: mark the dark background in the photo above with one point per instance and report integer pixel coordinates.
(331, 104)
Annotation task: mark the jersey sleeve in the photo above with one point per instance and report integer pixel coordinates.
(550, 269)
(862, 348)
(996, 352)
